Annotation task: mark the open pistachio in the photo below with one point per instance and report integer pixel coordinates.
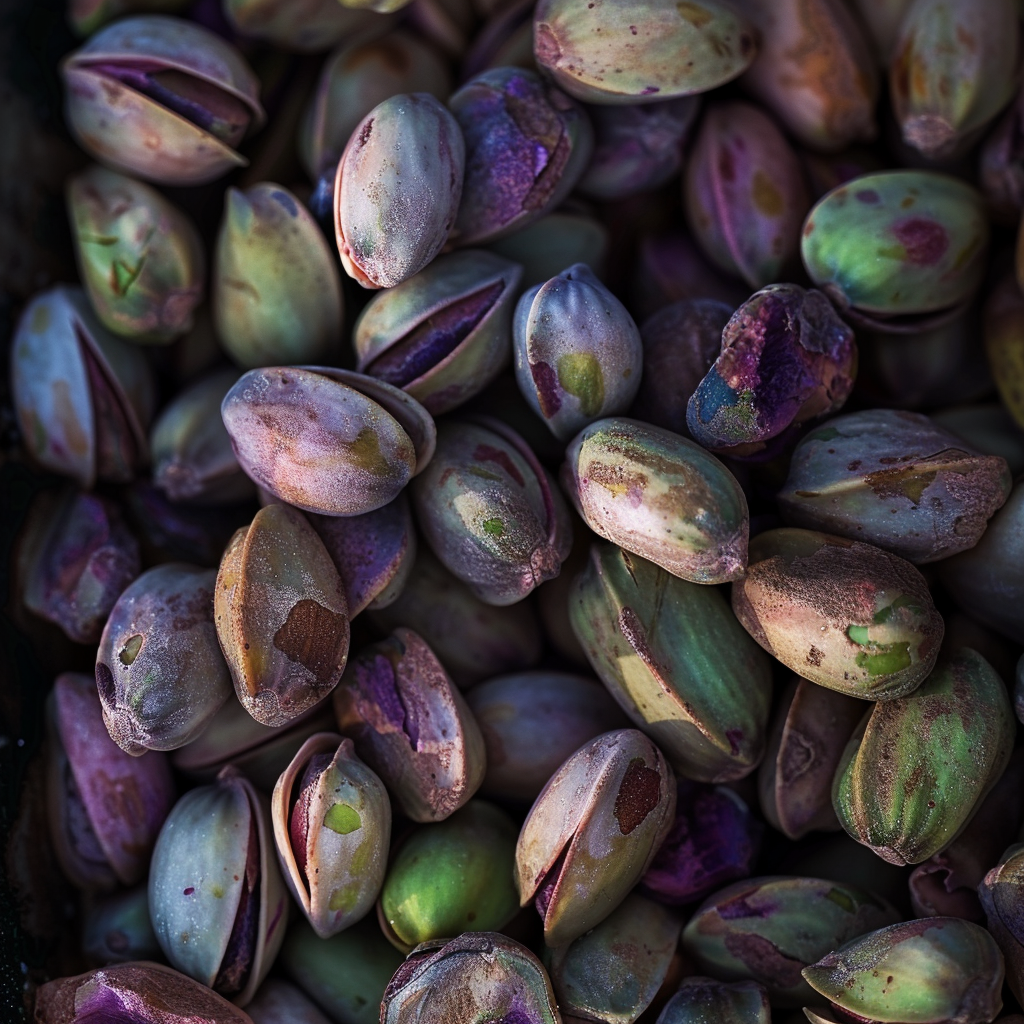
(840, 613)
(162, 98)
(218, 904)
(141, 259)
(593, 832)
(445, 333)
(325, 440)
(281, 616)
(332, 827)
(159, 670)
(660, 496)
(491, 512)
(411, 726)
(677, 661)
(83, 397)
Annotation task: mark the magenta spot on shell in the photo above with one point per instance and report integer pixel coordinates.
(726, 165)
(188, 892)
(867, 195)
(650, 90)
(519, 1013)
(735, 737)
(739, 909)
(925, 241)
(488, 453)
(377, 681)
(548, 393)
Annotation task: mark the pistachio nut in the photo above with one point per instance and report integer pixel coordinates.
(897, 243)
(916, 770)
(954, 67)
(161, 98)
(190, 447)
(531, 722)
(578, 354)
(713, 840)
(786, 358)
(652, 50)
(307, 26)
(77, 557)
(527, 144)
(345, 975)
(451, 877)
(814, 70)
(593, 832)
(637, 147)
(704, 999)
(745, 194)
(845, 615)
(490, 512)
(768, 929)
(1000, 894)
(281, 616)
(397, 189)
(477, 976)
(218, 904)
(942, 969)
(681, 342)
(83, 397)
(276, 291)
(159, 670)
(374, 553)
(659, 495)
(325, 440)
(810, 732)
(613, 972)
(411, 726)
(894, 479)
(105, 807)
(988, 580)
(1001, 165)
(677, 661)
(280, 1002)
(132, 993)
(116, 928)
(332, 827)
(140, 257)
(86, 16)
(445, 333)
(556, 241)
(1004, 343)
(472, 639)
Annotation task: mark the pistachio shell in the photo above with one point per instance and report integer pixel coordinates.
(304, 25)
(278, 1002)
(116, 929)
(609, 53)
(556, 241)
(702, 999)
(1004, 344)
(840, 613)
(882, 19)
(281, 616)
(1000, 897)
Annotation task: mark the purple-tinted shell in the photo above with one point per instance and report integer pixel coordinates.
(1001, 164)
(714, 840)
(82, 559)
(527, 144)
(786, 358)
(103, 802)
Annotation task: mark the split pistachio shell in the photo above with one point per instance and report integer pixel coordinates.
(745, 194)
(768, 929)
(593, 831)
(218, 904)
(411, 726)
(653, 50)
(332, 827)
(676, 660)
(325, 440)
(445, 333)
(953, 68)
(307, 26)
(451, 877)
(161, 98)
(141, 259)
(840, 613)
(491, 512)
(1004, 344)
(578, 354)
(276, 291)
(83, 397)
(918, 767)
(660, 496)
(702, 999)
(897, 242)
(397, 189)
(941, 969)
(613, 972)
(894, 479)
(281, 616)
(159, 669)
